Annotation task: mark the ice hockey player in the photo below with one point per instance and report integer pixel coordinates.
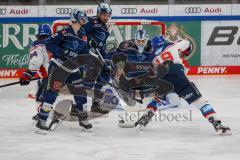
(64, 45)
(134, 70)
(38, 63)
(140, 42)
(97, 34)
(168, 54)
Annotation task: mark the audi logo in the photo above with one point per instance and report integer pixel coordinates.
(193, 10)
(63, 10)
(3, 11)
(129, 10)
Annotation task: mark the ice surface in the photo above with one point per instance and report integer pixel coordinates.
(188, 140)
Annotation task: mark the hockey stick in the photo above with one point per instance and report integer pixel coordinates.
(14, 83)
(123, 92)
(123, 124)
(111, 84)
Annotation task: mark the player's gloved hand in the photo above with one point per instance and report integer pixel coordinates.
(93, 44)
(26, 78)
(187, 52)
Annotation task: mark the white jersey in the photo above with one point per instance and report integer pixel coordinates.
(39, 60)
(171, 52)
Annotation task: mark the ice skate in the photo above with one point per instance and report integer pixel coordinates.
(145, 119)
(57, 119)
(98, 110)
(220, 129)
(82, 116)
(35, 118)
(42, 127)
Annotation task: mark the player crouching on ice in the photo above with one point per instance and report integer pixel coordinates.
(38, 63)
(167, 54)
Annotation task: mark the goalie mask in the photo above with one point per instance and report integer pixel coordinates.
(141, 39)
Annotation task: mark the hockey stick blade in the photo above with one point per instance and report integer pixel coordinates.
(123, 124)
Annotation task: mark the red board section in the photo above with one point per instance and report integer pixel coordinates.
(11, 73)
(214, 70)
(194, 70)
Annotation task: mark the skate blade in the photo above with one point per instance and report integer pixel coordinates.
(41, 132)
(72, 119)
(86, 130)
(54, 126)
(93, 115)
(227, 133)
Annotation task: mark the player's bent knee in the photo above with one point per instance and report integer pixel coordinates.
(190, 93)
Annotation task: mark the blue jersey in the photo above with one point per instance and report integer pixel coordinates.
(133, 56)
(97, 32)
(137, 64)
(66, 40)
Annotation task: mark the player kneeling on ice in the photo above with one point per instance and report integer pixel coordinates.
(65, 45)
(38, 63)
(168, 55)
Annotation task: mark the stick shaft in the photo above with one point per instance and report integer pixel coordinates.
(14, 83)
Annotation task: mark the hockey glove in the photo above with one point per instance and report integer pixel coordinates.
(26, 78)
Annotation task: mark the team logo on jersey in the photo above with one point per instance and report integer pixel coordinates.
(84, 37)
(176, 33)
(57, 85)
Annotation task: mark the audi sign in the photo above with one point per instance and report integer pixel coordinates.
(192, 10)
(3, 11)
(64, 10)
(129, 10)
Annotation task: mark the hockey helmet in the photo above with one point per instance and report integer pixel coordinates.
(157, 43)
(104, 8)
(76, 16)
(44, 30)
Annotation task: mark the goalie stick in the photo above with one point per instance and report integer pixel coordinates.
(114, 86)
